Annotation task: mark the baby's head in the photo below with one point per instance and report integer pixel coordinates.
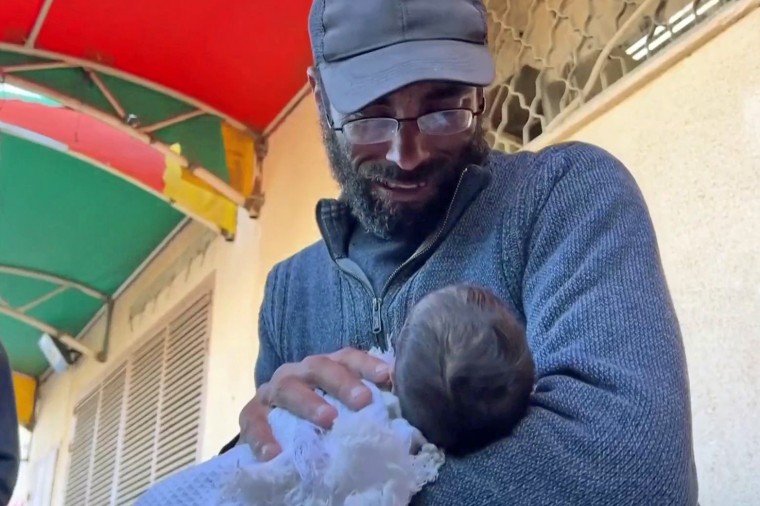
(463, 371)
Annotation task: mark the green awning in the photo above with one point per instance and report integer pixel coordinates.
(62, 216)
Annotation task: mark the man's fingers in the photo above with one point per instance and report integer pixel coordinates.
(292, 388)
(255, 429)
(296, 396)
(338, 380)
(368, 367)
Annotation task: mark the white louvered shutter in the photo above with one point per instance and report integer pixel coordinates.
(81, 451)
(110, 417)
(138, 446)
(143, 422)
(180, 417)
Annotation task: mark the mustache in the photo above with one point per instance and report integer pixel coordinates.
(391, 172)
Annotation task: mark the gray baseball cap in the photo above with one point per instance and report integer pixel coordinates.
(365, 49)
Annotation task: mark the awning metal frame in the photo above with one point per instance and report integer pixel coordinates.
(251, 203)
(20, 313)
(122, 123)
(33, 136)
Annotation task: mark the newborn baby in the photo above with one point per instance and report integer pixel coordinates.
(463, 372)
(462, 375)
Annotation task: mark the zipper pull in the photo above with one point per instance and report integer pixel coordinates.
(377, 322)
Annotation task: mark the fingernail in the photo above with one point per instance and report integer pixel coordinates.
(322, 411)
(357, 392)
(268, 451)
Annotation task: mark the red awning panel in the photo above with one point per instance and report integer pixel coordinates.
(90, 138)
(245, 58)
(17, 19)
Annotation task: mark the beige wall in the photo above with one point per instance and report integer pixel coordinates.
(691, 138)
(297, 176)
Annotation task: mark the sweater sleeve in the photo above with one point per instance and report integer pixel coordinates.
(9, 446)
(268, 359)
(609, 421)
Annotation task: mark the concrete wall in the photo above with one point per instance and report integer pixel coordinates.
(692, 139)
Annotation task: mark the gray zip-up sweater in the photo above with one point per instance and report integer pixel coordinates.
(564, 237)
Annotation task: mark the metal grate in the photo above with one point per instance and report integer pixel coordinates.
(553, 56)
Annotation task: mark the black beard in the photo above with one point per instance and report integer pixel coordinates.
(388, 220)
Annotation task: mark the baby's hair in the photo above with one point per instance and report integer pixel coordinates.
(464, 372)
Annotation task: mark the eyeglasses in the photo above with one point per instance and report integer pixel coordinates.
(383, 129)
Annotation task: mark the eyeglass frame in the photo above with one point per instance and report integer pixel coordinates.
(475, 113)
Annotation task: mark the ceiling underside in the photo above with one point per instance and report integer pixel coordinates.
(117, 120)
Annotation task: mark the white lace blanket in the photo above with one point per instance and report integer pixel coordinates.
(372, 457)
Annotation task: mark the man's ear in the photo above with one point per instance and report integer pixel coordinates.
(480, 93)
(316, 90)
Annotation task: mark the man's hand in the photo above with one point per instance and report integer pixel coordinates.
(292, 388)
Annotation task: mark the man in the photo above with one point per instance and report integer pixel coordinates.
(9, 449)
(562, 236)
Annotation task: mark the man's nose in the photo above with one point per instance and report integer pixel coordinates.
(408, 148)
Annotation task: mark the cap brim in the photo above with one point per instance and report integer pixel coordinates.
(355, 82)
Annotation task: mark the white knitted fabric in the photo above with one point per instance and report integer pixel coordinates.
(371, 457)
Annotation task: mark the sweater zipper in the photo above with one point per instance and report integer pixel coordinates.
(377, 303)
(377, 323)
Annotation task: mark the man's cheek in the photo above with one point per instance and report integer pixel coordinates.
(367, 153)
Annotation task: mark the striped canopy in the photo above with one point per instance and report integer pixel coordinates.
(118, 120)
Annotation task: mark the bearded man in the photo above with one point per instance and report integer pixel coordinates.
(563, 237)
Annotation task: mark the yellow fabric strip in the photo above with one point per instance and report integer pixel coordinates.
(240, 154)
(25, 390)
(197, 197)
